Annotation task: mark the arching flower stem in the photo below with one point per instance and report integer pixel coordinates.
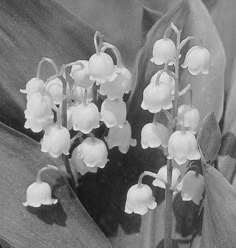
(151, 174)
(48, 167)
(115, 50)
(51, 62)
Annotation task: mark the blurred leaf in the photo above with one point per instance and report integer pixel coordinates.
(219, 223)
(30, 30)
(65, 224)
(209, 137)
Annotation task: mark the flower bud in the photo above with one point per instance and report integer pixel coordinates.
(102, 68)
(156, 97)
(93, 152)
(38, 112)
(189, 117)
(182, 146)
(34, 85)
(197, 60)
(39, 193)
(78, 94)
(113, 112)
(164, 51)
(81, 75)
(153, 135)
(139, 199)
(162, 174)
(56, 140)
(120, 137)
(192, 187)
(85, 117)
(120, 85)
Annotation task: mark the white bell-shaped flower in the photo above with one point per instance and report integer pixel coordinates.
(78, 163)
(189, 117)
(102, 68)
(162, 174)
(139, 199)
(197, 60)
(192, 187)
(39, 193)
(38, 112)
(77, 94)
(120, 85)
(120, 137)
(85, 117)
(56, 140)
(156, 97)
(164, 51)
(34, 85)
(93, 152)
(182, 146)
(153, 135)
(81, 74)
(113, 112)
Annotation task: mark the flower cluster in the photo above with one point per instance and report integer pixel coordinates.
(177, 139)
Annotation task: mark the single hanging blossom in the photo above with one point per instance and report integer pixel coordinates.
(102, 68)
(183, 146)
(93, 152)
(197, 60)
(39, 193)
(113, 112)
(78, 163)
(38, 112)
(162, 174)
(139, 199)
(34, 85)
(77, 94)
(120, 85)
(154, 135)
(85, 117)
(56, 140)
(192, 187)
(156, 97)
(120, 137)
(189, 117)
(81, 74)
(164, 51)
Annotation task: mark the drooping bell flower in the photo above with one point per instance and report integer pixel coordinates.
(85, 117)
(164, 51)
(113, 112)
(153, 135)
(189, 117)
(56, 140)
(197, 60)
(182, 146)
(102, 68)
(162, 174)
(156, 97)
(192, 187)
(38, 112)
(139, 199)
(120, 85)
(78, 163)
(34, 85)
(81, 75)
(39, 193)
(120, 137)
(77, 94)
(93, 152)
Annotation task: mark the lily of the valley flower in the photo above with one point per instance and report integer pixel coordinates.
(56, 140)
(182, 146)
(93, 152)
(34, 85)
(113, 112)
(102, 68)
(164, 51)
(153, 135)
(197, 60)
(120, 137)
(139, 199)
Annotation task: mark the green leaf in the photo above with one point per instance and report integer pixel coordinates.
(209, 137)
(219, 221)
(65, 224)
